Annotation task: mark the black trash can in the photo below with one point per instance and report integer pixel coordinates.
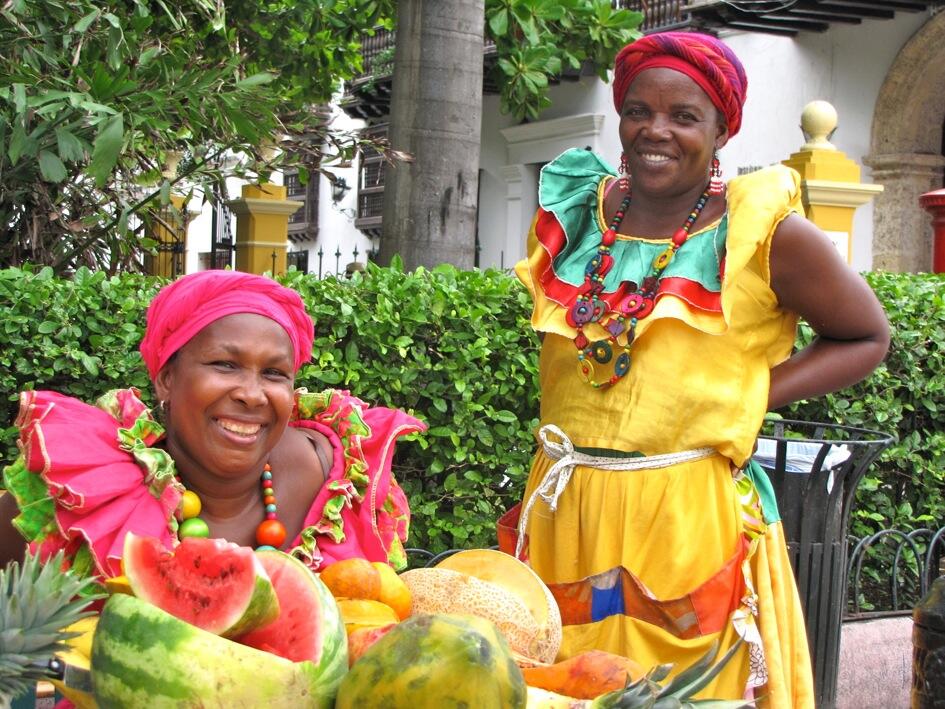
(814, 469)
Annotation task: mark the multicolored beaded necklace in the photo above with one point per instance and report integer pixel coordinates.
(270, 534)
(589, 307)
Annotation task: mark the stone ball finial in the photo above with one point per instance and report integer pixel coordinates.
(818, 123)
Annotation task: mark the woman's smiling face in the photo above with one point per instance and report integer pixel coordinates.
(229, 394)
(669, 130)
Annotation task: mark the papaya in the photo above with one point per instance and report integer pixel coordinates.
(435, 662)
(584, 676)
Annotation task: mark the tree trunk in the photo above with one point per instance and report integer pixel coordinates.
(436, 111)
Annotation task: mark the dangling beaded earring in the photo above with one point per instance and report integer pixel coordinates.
(624, 182)
(716, 185)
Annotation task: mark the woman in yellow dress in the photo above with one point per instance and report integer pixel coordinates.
(667, 304)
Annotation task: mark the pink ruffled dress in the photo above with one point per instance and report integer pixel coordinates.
(88, 475)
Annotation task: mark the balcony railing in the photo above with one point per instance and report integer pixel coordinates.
(658, 15)
(377, 50)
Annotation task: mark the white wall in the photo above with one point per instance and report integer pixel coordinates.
(845, 66)
(335, 220)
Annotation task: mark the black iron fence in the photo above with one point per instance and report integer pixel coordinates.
(330, 263)
(890, 570)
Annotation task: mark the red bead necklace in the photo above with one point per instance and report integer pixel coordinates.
(590, 307)
(270, 534)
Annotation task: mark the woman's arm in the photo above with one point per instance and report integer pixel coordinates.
(12, 545)
(811, 279)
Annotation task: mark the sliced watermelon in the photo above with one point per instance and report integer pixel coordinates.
(309, 626)
(210, 583)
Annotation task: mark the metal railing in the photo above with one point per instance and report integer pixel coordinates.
(657, 14)
(891, 570)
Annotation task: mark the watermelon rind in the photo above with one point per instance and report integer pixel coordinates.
(145, 657)
(304, 598)
(239, 599)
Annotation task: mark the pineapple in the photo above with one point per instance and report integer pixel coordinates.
(37, 601)
(648, 693)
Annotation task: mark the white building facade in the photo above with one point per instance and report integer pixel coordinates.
(885, 77)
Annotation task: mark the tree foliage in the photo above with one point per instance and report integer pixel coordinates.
(537, 40)
(95, 98)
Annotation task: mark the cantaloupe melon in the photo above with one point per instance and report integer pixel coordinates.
(519, 579)
(438, 590)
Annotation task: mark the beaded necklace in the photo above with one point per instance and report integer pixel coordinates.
(589, 307)
(270, 534)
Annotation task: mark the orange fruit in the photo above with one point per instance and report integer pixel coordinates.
(361, 639)
(118, 584)
(360, 613)
(352, 578)
(394, 591)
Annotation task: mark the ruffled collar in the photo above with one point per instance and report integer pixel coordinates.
(569, 227)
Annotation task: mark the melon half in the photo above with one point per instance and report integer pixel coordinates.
(495, 586)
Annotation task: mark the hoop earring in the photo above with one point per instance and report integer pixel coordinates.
(624, 181)
(716, 184)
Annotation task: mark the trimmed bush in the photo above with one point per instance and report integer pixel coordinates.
(905, 396)
(454, 348)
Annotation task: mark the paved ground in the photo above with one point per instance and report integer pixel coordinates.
(875, 664)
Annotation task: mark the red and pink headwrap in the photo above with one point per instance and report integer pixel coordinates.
(704, 59)
(183, 308)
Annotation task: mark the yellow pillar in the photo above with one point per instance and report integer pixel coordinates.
(169, 230)
(830, 181)
(262, 228)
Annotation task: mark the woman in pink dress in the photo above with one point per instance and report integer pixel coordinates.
(232, 449)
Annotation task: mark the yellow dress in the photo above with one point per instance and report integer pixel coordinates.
(686, 545)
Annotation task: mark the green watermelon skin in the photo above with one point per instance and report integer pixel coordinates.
(309, 626)
(144, 657)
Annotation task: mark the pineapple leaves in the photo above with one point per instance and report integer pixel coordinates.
(37, 601)
(695, 678)
(648, 693)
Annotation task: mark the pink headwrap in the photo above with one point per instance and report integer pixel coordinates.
(704, 59)
(183, 308)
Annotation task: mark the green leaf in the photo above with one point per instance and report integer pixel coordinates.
(89, 363)
(47, 326)
(51, 167)
(148, 55)
(19, 98)
(70, 147)
(86, 21)
(499, 23)
(106, 149)
(20, 144)
(262, 77)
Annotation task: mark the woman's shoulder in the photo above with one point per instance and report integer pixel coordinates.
(768, 187)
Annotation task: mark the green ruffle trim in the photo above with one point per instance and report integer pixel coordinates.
(37, 517)
(569, 188)
(347, 423)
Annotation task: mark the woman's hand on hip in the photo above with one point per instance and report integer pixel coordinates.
(810, 278)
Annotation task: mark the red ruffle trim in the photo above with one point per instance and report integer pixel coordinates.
(552, 238)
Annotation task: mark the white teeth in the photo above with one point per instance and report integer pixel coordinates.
(654, 158)
(243, 429)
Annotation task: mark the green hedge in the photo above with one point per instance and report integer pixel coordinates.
(454, 348)
(904, 396)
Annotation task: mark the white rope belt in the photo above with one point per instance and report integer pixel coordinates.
(567, 459)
